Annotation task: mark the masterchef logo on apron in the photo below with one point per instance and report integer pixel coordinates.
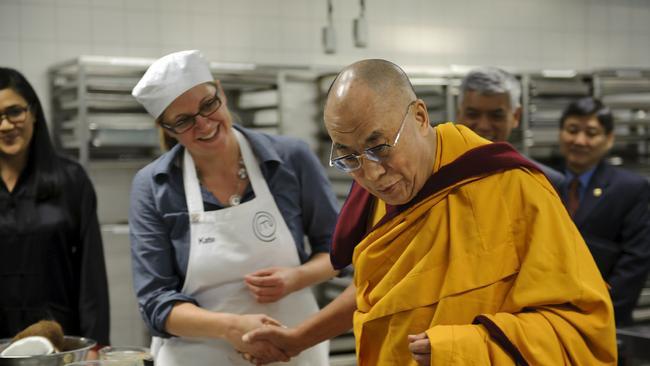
(264, 226)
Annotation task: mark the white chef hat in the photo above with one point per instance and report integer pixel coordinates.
(169, 77)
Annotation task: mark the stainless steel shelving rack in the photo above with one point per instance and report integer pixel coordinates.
(627, 93)
(439, 94)
(93, 112)
(95, 117)
(95, 120)
(544, 97)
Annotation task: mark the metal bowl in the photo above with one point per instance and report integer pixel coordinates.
(74, 349)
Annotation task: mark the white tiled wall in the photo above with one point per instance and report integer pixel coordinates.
(522, 34)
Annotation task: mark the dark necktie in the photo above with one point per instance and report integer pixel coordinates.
(573, 200)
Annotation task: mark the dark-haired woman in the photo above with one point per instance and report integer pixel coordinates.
(51, 257)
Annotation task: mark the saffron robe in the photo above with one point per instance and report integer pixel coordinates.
(491, 267)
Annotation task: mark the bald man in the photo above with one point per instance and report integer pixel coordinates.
(488, 103)
(439, 278)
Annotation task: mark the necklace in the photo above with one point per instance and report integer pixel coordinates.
(242, 174)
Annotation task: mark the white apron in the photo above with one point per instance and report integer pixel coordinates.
(225, 245)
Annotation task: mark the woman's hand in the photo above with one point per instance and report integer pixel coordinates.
(420, 348)
(271, 284)
(261, 350)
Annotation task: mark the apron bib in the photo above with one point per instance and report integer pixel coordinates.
(225, 245)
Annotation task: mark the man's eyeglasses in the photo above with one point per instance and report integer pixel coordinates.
(351, 162)
(185, 123)
(14, 114)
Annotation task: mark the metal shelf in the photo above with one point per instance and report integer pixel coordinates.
(627, 93)
(94, 114)
(545, 95)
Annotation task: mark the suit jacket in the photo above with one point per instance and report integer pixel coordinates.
(614, 219)
(556, 178)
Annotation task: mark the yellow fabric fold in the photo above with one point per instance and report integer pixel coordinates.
(481, 247)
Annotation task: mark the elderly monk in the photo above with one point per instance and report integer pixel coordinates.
(463, 252)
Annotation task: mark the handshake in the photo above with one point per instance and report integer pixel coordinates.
(263, 340)
(270, 341)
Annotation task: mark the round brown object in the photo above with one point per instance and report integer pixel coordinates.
(45, 328)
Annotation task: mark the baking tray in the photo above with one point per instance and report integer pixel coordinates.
(258, 99)
(624, 85)
(118, 121)
(559, 87)
(100, 138)
(115, 102)
(633, 101)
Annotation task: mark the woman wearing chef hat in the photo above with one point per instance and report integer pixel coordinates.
(217, 224)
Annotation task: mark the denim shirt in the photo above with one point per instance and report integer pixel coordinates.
(159, 223)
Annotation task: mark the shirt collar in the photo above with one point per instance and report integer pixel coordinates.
(262, 146)
(584, 178)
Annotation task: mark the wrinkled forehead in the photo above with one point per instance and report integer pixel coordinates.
(360, 124)
(486, 101)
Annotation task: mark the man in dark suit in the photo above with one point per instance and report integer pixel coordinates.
(488, 103)
(609, 205)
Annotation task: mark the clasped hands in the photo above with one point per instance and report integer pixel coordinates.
(264, 340)
(281, 344)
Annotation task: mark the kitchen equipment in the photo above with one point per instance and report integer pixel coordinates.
(105, 363)
(75, 349)
(126, 353)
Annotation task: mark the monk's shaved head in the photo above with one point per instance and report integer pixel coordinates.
(377, 124)
(385, 79)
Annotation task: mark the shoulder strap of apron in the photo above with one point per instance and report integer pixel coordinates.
(255, 176)
(191, 185)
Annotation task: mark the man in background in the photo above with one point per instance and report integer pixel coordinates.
(609, 205)
(488, 103)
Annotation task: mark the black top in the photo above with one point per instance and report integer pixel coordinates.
(51, 257)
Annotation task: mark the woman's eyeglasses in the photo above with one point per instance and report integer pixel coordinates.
(14, 114)
(185, 123)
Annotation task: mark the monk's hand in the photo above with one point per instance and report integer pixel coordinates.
(271, 284)
(420, 348)
(262, 350)
(285, 339)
